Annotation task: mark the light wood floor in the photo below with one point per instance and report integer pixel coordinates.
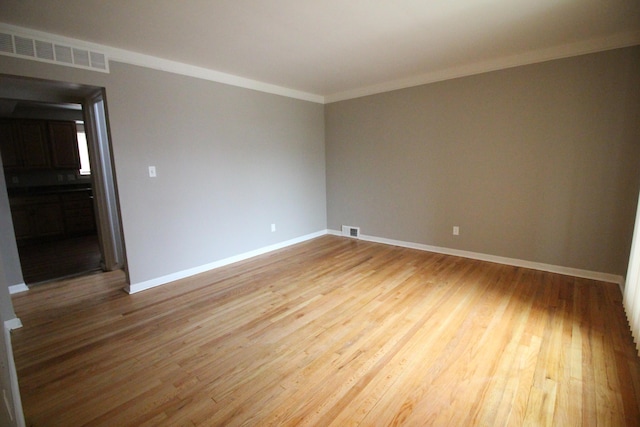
(333, 331)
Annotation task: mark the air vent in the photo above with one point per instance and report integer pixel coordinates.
(51, 51)
(98, 60)
(63, 54)
(24, 46)
(6, 43)
(44, 50)
(81, 57)
(349, 231)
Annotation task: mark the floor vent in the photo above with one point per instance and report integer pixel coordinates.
(350, 231)
(50, 51)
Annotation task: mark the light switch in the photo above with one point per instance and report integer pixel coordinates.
(152, 171)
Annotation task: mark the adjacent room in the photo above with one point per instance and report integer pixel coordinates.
(320, 213)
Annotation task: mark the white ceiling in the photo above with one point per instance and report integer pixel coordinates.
(340, 48)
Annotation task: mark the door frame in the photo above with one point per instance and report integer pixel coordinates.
(104, 184)
(95, 114)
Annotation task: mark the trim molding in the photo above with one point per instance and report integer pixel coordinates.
(13, 380)
(159, 281)
(541, 55)
(12, 324)
(142, 60)
(568, 271)
(16, 289)
(153, 62)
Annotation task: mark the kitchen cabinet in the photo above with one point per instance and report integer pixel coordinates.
(21, 217)
(37, 216)
(63, 139)
(77, 208)
(32, 138)
(61, 213)
(9, 146)
(39, 144)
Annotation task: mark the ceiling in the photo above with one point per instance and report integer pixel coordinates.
(338, 48)
(21, 96)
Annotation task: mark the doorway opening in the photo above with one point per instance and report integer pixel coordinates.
(64, 211)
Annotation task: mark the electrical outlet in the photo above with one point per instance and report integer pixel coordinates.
(273, 228)
(456, 230)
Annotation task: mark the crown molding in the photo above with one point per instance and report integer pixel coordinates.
(541, 55)
(140, 59)
(536, 56)
(156, 63)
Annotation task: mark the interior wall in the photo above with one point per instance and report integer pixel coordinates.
(538, 163)
(230, 162)
(11, 271)
(11, 412)
(11, 409)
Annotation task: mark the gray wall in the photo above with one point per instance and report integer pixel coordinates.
(539, 162)
(10, 274)
(7, 367)
(230, 162)
(11, 271)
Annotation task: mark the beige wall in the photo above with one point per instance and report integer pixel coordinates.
(539, 163)
(230, 162)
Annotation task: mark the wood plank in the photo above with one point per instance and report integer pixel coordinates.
(333, 331)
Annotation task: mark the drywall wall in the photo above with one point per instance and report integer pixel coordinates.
(11, 271)
(10, 403)
(538, 163)
(230, 162)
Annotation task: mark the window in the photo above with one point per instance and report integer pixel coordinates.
(83, 150)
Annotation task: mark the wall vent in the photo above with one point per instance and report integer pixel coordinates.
(53, 52)
(349, 231)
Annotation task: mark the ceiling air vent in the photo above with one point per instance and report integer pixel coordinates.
(51, 51)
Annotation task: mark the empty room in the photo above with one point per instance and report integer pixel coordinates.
(320, 213)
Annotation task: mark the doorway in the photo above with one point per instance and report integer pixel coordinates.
(66, 222)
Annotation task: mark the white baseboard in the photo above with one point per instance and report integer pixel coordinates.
(586, 274)
(568, 271)
(12, 324)
(16, 289)
(16, 410)
(159, 281)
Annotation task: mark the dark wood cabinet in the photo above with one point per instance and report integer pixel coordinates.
(9, 146)
(37, 216)
(21, 217)
(63, 138)
(32, 138)
(39, 144)
(66, 213)
(77, 208)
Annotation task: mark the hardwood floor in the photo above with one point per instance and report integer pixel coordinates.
(333, 331)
